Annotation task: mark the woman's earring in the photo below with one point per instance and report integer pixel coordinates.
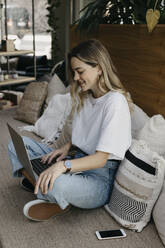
(100, 72)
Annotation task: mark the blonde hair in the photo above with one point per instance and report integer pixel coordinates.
(93, 53)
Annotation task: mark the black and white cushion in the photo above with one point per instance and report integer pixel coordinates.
(137, 186)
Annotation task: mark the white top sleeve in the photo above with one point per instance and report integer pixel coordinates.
(115, 134)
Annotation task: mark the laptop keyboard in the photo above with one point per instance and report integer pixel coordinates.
(39, 167)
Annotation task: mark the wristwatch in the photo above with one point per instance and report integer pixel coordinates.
(68, 165)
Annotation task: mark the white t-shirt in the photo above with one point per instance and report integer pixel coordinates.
(103, 124)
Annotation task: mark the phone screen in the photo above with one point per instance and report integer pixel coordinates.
(111, 233)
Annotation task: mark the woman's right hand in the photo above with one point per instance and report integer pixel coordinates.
(60, 154)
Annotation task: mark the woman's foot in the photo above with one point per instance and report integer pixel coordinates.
(40, 210)
(26, 185)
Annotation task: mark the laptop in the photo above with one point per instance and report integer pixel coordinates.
(33, 167)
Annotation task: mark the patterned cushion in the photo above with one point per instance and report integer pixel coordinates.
(137, 186)
(30, 106)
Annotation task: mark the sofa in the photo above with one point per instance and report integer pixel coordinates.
(77, 227)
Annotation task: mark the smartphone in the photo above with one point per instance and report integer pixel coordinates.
(111, 234)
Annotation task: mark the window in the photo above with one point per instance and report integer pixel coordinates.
(76, 6)
(19, 25)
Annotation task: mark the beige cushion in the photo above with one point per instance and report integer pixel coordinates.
(138, 119)
(65, 135)
(153, 133)
(137, 186)
(55, 86)
(30, 106)
(54, 117)
(159, 214)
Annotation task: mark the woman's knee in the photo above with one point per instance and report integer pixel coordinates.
(26, 141)
(11, 147)
(62, 189)
(60, 185)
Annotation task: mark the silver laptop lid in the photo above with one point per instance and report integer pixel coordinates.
(21, 151)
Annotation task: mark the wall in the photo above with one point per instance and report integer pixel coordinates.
(64, 21)
(63, 24)
(139, 58)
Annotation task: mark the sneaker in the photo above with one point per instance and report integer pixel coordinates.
(26, 185)
(40, 210)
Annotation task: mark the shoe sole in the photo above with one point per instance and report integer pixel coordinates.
(31, 210)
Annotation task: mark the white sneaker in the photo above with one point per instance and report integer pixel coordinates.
(26, 185)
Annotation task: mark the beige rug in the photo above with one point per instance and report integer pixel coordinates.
(74, 230)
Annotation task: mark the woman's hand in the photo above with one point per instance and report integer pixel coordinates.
(46, 179)
(59, 153)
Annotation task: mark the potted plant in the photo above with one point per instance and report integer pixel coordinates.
(121, 12)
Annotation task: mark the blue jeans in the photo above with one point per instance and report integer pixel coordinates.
(88, 189)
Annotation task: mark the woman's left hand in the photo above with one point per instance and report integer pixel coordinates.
(46, 179)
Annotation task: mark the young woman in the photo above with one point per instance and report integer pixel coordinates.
(101, 134)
